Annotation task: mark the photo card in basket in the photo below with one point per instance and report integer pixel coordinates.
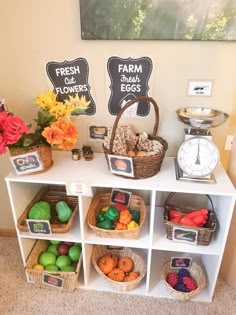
(180, 262)
(26, 163)
(120, 196)
(121, 165)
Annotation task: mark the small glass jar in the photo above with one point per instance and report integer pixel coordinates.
(76, 154)
(88, 155)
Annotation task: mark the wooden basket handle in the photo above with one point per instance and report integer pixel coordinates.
(128, 104)
(173, 193)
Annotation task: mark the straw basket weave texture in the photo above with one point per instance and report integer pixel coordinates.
(70, 279)
(143, 166)
(205, 233)
(139, 266)
(103, 200)
(196, 273)
(44, 152)
(52, 194)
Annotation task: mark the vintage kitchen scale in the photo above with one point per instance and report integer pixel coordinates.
(198, 156)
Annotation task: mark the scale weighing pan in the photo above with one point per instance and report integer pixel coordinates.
(200, 117)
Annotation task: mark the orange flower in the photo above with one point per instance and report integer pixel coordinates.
(53, 135)
(66, 145)
(62, 133)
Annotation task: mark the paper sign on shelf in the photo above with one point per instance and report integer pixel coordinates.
(39, 226)
(78, 189)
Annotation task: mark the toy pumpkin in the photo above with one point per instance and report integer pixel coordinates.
(126, 264)
(131, 276)
(106, 264)
(116, 274)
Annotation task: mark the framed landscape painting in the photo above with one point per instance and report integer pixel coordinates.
(158, 20)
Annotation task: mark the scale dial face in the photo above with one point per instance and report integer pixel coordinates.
(198, 157)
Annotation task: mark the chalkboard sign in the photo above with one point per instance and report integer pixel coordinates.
(180, 262)
(129, 79)
(185, 235)
(52, 280)
(70, 78)
(39, 226)
(26, 163)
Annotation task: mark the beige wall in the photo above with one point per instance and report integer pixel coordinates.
(34, 32)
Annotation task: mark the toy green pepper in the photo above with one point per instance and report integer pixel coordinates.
(101, 217)
(112, 214)
(135, 215)
(106, 225)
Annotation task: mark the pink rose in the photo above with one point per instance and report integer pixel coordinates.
(3, 117)
(2, 145)
(13, 127)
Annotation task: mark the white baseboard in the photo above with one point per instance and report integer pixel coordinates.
(7, 232)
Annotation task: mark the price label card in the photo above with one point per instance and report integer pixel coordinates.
(120, 196)
(113, 247)
(26, 163)
(185, 235)
(39, 226)
(53, 281)
(77, 189)
(180, 262)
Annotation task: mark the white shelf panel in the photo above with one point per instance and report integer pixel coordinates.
(96, 173)
(164, 243)
(74, 235)
(96, 282)
(161, 291)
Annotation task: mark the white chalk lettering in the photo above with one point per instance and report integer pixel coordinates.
(130, 68)
(72, 89)
(67, 71)
(130, 87)
(70, 81)
(129, 79)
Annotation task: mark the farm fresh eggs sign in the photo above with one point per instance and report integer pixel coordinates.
(129, 78)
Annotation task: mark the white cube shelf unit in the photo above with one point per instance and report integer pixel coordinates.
(152, 243)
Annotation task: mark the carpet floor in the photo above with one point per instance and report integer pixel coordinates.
(17, 297)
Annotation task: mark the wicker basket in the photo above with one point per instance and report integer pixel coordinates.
(44, 151)
(52, 194)
(70, 278)
(196, 273)
(139, 266)
(204, 233)
(103, 200)
(145, 166)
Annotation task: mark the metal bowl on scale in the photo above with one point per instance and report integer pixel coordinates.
(200, 117)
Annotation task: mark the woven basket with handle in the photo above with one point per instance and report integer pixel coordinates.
(196, 273)
(103, 200)
(204, 233)
(143, 166)
(139, 266)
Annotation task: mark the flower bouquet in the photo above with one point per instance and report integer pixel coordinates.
(53, 129)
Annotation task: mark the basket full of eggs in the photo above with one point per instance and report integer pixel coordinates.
(132, 155)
